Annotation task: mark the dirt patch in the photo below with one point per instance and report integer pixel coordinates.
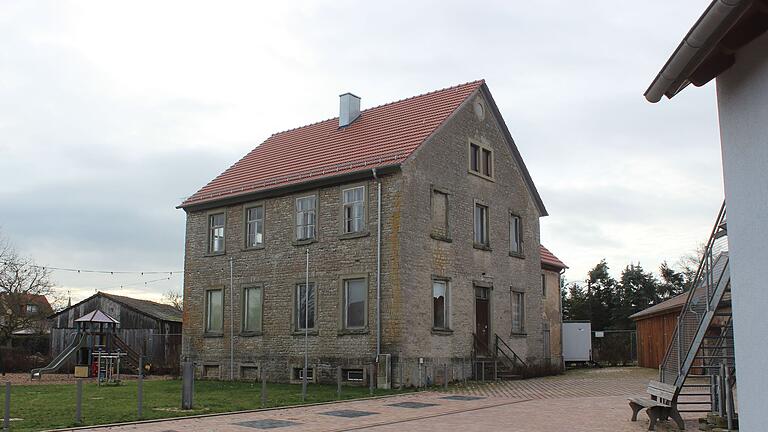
(24, 379)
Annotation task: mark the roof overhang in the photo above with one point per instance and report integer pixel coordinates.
(710, 46)
(291, 188)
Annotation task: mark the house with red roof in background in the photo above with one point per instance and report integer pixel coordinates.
(552, 270)
(398, 243)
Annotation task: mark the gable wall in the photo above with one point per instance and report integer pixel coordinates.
(442, 161)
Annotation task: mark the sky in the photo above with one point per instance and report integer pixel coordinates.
(112, 112)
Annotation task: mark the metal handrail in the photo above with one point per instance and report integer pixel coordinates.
(704, 270)
(514, 354)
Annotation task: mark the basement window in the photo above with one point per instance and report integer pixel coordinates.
(298, 374)
(354, 375)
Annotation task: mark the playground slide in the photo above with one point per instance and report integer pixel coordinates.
(59, 360)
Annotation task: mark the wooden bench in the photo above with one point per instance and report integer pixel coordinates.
(661, 406)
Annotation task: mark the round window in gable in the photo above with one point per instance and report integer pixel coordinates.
(479, 110)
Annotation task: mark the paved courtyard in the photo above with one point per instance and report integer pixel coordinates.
(583, 400)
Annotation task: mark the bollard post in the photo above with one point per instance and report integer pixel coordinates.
(338, 382)
(79, 402)
(445, 376)
(263, 388)
(140, 407)
(370, 379)
(187, 384)
(7, 416)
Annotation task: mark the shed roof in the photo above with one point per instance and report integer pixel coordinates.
(149, 308)
(381, 137)
(157, 310)
(668, 306)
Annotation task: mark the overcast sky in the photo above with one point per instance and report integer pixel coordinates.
(112, 112)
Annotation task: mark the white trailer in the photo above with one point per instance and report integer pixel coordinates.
(577, 341)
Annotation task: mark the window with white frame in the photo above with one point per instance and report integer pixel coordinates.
(481, 225)
(32, 309)
(440, 308)
(481, 160)
(518, 312)
(355, 302)
(306, 217)
(214, 311)
(298, 373)
(252, 308)
(515, 235)
(254, 223)
(353, 202)
(216, 233)
(305, 307)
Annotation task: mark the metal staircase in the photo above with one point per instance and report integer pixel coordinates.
(699, 361)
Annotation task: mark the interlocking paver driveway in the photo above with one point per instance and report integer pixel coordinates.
(584, 400)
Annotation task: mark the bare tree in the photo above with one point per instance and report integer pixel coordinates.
(174, 298)
(21, 282)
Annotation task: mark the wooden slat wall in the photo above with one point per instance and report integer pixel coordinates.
(653, 337)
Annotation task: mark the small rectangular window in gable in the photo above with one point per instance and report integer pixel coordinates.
(439, 214)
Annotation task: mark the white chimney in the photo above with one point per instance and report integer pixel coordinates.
(349, 109)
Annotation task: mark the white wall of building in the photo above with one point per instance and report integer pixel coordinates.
(742, 94)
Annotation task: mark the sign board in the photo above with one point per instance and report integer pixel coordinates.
(599, 334)
(577, 341)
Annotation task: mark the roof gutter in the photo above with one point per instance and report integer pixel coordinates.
(288, 189)
(697, 45)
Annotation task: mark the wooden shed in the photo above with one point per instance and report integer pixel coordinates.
(146, 326)
(656, 326)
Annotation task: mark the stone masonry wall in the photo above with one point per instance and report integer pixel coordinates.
(442, 162)
(278, 267)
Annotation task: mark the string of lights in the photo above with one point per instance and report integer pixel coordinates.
(110, 272)
(137, 283)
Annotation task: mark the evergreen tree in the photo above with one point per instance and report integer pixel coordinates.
(601, 296)
(575, 303)
(638, 290)
(672, 282)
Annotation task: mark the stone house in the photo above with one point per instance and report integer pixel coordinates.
(552, 270)
(418, 223)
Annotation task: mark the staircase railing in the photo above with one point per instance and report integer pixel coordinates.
(698, 303)
(514, 359)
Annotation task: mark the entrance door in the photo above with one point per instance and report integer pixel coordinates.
(482, 312)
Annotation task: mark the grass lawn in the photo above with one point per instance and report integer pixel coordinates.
(37, 407)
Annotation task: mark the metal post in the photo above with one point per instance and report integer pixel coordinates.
(495, 370)
(187, 384)
(231, 320)
(729, 408)
(445, 376)
(306, 332)
(720, 396)
(482, 370)
(370, 379)
(338, 382)
(263, 388)
(378, 268)
(401, 360)
(141, 392)
(7, 416)
(79, 402)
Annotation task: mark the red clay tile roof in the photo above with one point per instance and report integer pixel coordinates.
(381, 136)
(548, 258)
